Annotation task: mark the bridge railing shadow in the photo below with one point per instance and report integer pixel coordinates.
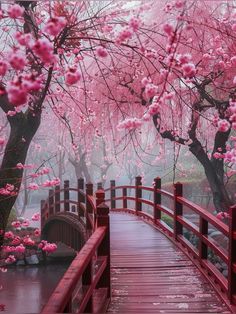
(136, 203)
(85, 287)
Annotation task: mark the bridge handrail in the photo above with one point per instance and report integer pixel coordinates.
(90, 269)
(84, 205)
(61, 296)
(206, 242)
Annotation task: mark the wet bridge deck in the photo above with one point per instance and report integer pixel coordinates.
(151, 275)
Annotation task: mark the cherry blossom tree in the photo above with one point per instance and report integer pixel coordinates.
(48, 47)
(183, 77)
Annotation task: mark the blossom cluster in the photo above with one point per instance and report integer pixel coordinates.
(16, 246)
(130, 124)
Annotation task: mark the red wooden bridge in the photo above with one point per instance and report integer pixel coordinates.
(138, 257)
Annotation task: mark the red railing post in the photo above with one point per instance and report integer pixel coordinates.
(232, 255)
(42, 212)
(157, 199)
(51, 202)
(138, 193)
(178, 209)
(80, 196)
(57, 199)
(124, 194)
(100, 197)
(203, 228)
(113, 193)
(66, 195)
(104, 248)
(89, 208)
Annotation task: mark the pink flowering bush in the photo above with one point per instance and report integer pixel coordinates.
(18, 247)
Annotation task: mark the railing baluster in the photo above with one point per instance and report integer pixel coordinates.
(124, 194)
(51, 201)
(57, 199)
(104, 248)
(157, 199)
(178, 209)
(87, 281)
(138, 193)
(113, 193)
(232, 255)
(66, 196)
(203, 228)
(80, 197)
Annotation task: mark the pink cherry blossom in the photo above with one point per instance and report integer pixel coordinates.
(3, 67)
(124, 35)
(23, 39)
(223, 125)
(222, 215)
(37, 232)
(2, 141)
(28, 241)
(43, 48)
(17, 60)
(130, 124)
(101, 52)
(16, 240)
(10, 259)
(134, 23)
(25, 223)
(44, 170)
(72, 76)
(55, 25)
(168, 29)
(8, 235)
(15, 11)
(49, 247)
(151, 90)
(20, 248)
(35, 217)
(189, 70)
(16, 94)
(9, 249)
(16, 224)
(49, 183)
(33, 186)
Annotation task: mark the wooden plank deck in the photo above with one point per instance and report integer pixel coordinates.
(151, 275)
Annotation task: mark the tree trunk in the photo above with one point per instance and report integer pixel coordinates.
(221, 198)
(23, 128)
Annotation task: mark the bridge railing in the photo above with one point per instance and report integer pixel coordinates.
(177, 204)
(85, 287)
(60, 200)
